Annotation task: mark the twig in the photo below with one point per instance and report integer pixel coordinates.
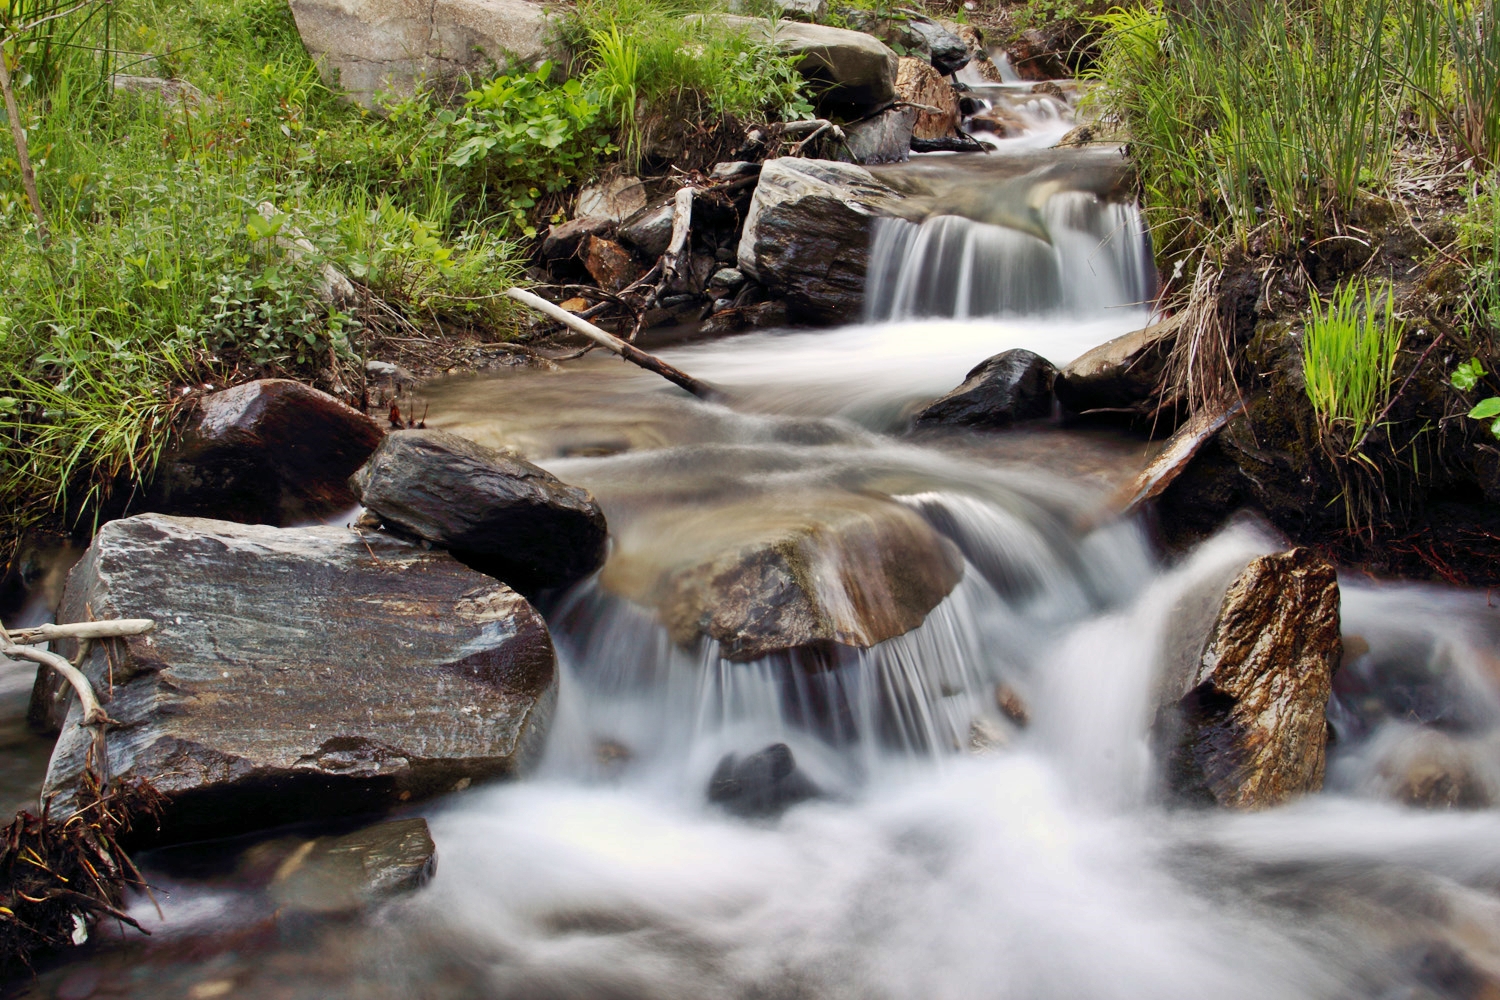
(93, 714)
(81, 630)
(628, 351)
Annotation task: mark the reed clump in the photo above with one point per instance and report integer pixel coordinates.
(1349, 348)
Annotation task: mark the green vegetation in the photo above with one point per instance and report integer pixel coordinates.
(162, 277)
(1348, 355)
(1466, 378)
(1265, 123)
(656, 63)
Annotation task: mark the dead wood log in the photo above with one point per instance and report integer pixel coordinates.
(626, 350)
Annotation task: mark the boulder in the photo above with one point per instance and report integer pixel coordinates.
(916, 36)
(882, 138)
(847, 69)
(1250, 728)
(353, 871)
(271, 451)
(614, 200)
(807, 235)
(766, 783)
(1044, 53)
(1011, 386)
(841, 569)
(920, 84)
(299, 674)
(369, 47)
(497, 513)
(804, 10)
(947, 51)
(1122, 374)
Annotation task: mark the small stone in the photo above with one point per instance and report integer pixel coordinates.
(576, 304)
(1009, 701)
(719, 305)
(733, 168)
(728, 278)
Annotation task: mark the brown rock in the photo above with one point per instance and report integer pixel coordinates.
(1122, 374)
(566, 241)
(848, 570)
(271, 451)
(610, 264)
(1251, 730)
(918, 83)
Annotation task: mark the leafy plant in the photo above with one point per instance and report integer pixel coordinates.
(1349, 350)
(1466, 378)
(519, 135)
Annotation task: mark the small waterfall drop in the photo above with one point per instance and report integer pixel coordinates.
(1095, 261)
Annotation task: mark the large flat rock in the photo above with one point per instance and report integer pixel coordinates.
(367, 47)
(300, 674)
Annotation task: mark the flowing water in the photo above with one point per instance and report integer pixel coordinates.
(952, 853)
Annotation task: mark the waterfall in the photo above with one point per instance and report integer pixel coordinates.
(1095, 261)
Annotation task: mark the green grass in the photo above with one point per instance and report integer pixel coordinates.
(1267, 122)
(1349, 350)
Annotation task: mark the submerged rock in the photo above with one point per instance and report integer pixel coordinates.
(299, 674)
(807, 235)
(766, 783)
(1011, 386)
(350, 872)
(500, 514)
(272, 451)
(1121, 374)
(370, 47)
(765, 577)
(1250, 731)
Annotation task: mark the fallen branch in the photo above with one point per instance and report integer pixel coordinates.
(93, 714)
(81, 630)
(628, 351)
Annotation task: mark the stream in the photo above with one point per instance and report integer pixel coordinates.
(951, 852)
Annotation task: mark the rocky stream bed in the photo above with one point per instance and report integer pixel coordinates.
(908, 666)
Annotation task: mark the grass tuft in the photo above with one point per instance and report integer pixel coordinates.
(1348, 359)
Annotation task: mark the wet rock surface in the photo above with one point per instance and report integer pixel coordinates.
(352, 871)
(1122, 374)
(807, 235)
(1251, 730)
(498, 513)
(271, 451)
(299, 674)
(842, 569)
(885, 138)
(1012, 386)
(365, 47)
(765, 783)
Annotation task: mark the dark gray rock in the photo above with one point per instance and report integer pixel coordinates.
(946, 51)
(567, 241)
(351, 872)
(766, 783)
(271, 451)
(299, 674)
(1011, 386)
(650, 229)
(807, 235)
(882, 138)
(499, 514)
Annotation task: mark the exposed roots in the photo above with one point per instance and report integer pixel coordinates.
(59, 876)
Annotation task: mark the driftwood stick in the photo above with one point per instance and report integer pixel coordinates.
(93, 714)
(677, 247)
(628, 351)
(81, 630)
